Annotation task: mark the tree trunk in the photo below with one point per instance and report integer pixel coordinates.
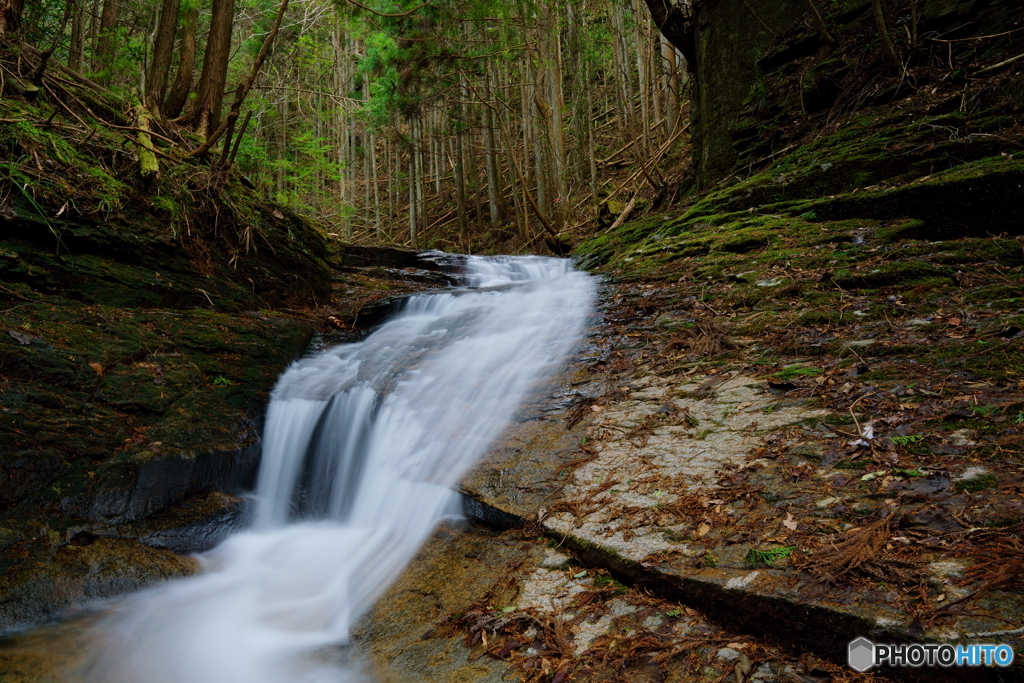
(178, 95)
(76, 50)
(421, 177)
(624, 105)
(460, 174)
(591, 153)
(376, 188)
(106, 45)
(671, 84)
(148, 166)
(204, 116)
(475, 178)
(228, 125)
(10, 19)
(557, 126)
(675, 22)
(163, 48)
(887, 48)
(819, 23)
(643, 82)
(656, 68)
(412, 190)
(493, 188)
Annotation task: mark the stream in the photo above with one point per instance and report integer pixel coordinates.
(363, 445)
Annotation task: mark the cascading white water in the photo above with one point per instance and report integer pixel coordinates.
(362, 446)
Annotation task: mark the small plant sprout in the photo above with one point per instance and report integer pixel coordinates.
(916, 472)
(766, 558)
(674, 613)
(985, 411)
(905, 440)
(221, 381)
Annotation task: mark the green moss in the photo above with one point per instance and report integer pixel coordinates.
(794, 371)
(982, 483)
(850, 465)
(608, 582)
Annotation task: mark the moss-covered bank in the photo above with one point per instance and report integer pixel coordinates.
(142, 324)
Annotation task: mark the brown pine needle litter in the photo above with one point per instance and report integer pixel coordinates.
(706, 338)
(862, 552)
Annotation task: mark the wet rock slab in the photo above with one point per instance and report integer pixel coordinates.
(478, 606)
(717, 489)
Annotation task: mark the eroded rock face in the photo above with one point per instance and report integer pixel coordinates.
(729, 36)
(61, 575)
(111, 415)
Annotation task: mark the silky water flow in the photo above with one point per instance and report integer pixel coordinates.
(362, 447)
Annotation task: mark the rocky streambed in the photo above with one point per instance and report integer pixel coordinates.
(664, 510)
(677, 511)
(131, 432)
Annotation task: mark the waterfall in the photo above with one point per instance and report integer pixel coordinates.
(363, 445)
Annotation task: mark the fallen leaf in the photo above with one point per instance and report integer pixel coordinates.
(737, 646)
(21, 337)
(954, 321)
(743, 668)
(702, 529)
(596, 409)
(98, 367)
(789, 522)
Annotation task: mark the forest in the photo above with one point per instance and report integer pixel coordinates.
(446, 124)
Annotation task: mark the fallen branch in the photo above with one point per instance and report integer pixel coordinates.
(625, 212)
(238, 141)
(819, 23)
(148, 165)
(1004, 575)
(654, 160)
(1001, 64)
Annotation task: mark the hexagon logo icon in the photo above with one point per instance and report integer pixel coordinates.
(861, 655)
